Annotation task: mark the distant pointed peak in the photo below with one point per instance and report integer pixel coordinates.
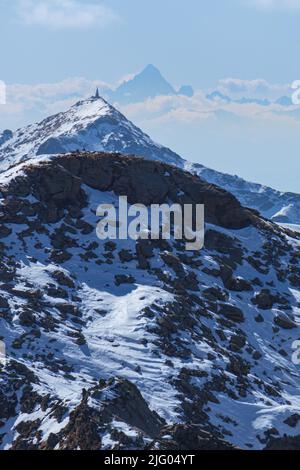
(150, 68)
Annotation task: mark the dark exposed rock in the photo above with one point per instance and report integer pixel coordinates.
(28, 432)
(257, 355)
(284, 321)
(232, 313)
(60, 256)
(215, 293)
(145, 182)
(204, 327)
(189, 437)
(110, 246)
(224, 244)
(237, 342)
(27, 318)
(144, 251)
(57, 292)
(84, 428)
(292, 420)
(30, 294)
(63, 279)
(238, 366)
(130, 407)
(283, 443)
(265, 299)
(259, 318)
(238, 284)
(126, 256)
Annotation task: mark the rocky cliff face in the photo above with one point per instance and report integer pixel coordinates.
(124, 344)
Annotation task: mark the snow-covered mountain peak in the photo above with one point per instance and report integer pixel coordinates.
(95, 126)
(91, 124)
(89, 109)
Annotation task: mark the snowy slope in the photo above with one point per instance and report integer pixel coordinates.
(94, 125)
(279, 206)
(129, 344)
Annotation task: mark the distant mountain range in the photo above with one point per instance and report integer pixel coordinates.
(91, 125)
(149, 83)
(95, 125)
(219, 96)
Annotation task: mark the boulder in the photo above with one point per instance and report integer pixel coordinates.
(263, 299)
(232, 313)
(284, 321)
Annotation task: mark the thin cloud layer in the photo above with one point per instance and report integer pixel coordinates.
(29, 103)
(64, 14)
(258, 88)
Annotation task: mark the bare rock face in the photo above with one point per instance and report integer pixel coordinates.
(5, 136)
(130, 407)
(285, 321)
(187, 437)
(49, 183)
(59, 183)
(284, 443)
(95, 413)
(3, 302)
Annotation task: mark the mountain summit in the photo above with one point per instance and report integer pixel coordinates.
(92, 125)
(149, 83)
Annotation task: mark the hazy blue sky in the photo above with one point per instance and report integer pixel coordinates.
(198, 42)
